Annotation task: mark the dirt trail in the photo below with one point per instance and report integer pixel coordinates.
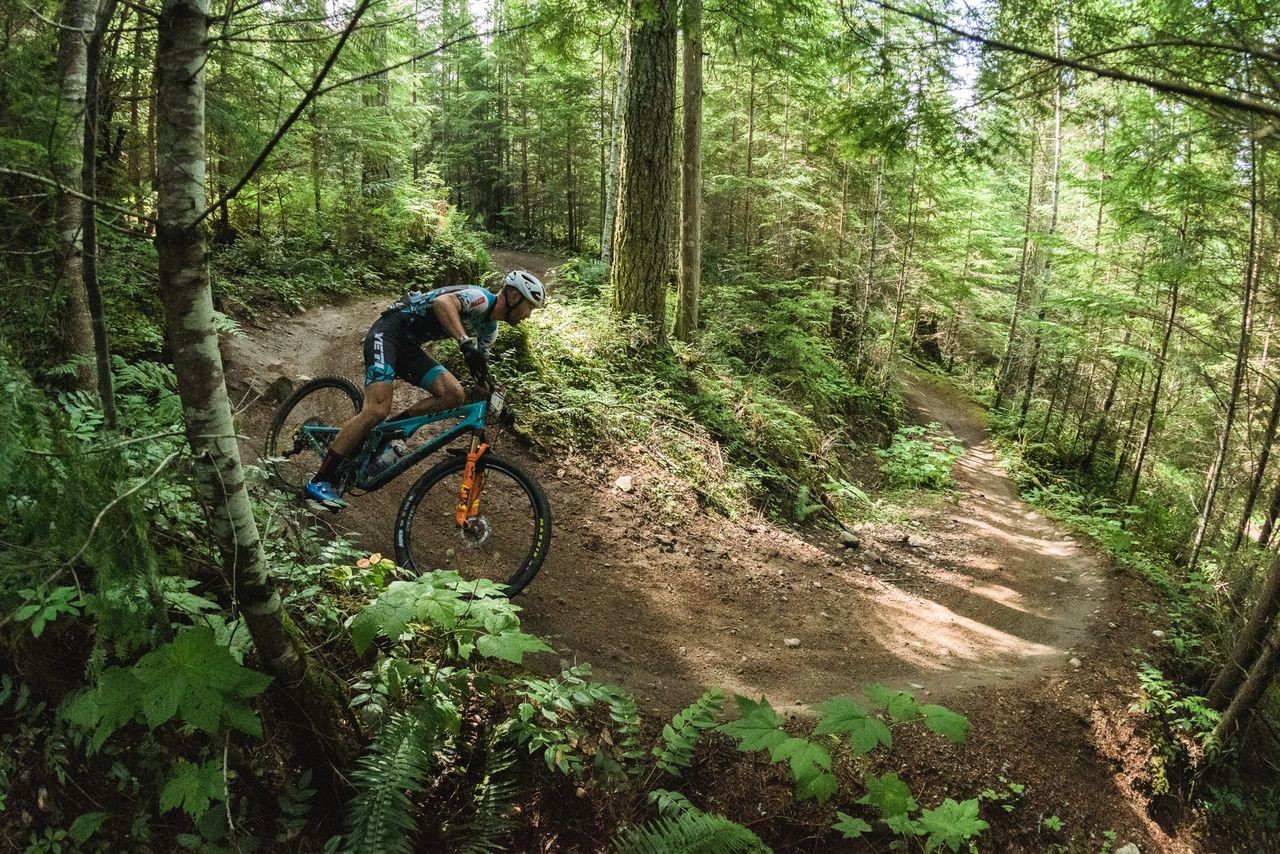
(975, 593)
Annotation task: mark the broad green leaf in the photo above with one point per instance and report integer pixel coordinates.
(902, 707)
(388, 615)
(198, 680)
(758, 727)
(850, 827)
(510, 645)
(192, 787)
(946, 723)
(84, 827)
(842, 715)
(889, 795)
(952, 824)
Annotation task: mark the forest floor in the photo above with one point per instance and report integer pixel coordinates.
(973, 600)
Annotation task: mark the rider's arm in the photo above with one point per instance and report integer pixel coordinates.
(448, 312)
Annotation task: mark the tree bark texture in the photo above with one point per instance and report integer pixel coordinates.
(615, 146)
(642, 231)
(89, 228)
(77, 20)
(690, 277)
(316, 705)
(1006, 363)
(1237, 380)
(1245, 651)
(1255, 684)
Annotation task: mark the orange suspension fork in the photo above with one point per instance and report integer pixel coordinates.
(472, 482)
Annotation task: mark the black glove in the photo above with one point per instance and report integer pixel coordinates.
(476, 362)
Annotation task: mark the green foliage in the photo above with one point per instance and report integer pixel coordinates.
(468, 616)
(681, 735)
(193, 787)
(920, 457)
(193, 679)
(952, 824)
(689, 832)
(760, 405)
(380, 816)
(44, 606)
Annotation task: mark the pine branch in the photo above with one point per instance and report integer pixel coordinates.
(1173, 87)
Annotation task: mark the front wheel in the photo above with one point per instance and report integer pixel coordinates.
(510, 537)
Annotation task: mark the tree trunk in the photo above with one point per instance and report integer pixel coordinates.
(902, 273)
(868, 285)
(615, 141)
(89, 183)
(1006, 363)
(1259, 472)
(315, 702)
(1157, 385)
(1237, 381)
(1256, 682)
(690, 273)
(642, 232)
(1248, 642)
(77, 327)
(751, 136)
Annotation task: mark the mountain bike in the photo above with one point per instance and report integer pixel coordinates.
(474, 512)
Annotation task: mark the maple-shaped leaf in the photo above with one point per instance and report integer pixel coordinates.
(889, 795)
(842, 715)
(510, 645)
(196, 679)
(192, 787)
(819, 785)
(951, 824)
(946, 723)
(758, 726)
(105, 708)
(388, 615)
(850, 827)
(902, 707)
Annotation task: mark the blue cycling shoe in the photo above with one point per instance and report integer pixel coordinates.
(325, 493)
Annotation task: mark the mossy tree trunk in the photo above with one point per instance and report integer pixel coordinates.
(642, 231)
(317, 707)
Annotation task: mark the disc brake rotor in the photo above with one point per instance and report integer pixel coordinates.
(475, 533)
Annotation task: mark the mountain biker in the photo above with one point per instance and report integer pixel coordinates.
(393, 348)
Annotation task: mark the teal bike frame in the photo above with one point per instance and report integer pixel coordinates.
(471, 419)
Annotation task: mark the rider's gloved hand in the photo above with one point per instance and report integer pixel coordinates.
(476, 361)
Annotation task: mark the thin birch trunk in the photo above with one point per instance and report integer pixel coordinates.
(77, 22)
(315, 703)
(89, 228)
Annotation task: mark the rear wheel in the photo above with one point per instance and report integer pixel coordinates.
(512, 532)
(294, 455)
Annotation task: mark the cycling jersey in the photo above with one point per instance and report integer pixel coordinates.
(475, 309)
(391, 349)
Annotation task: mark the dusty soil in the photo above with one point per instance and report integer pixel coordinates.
(977, 602)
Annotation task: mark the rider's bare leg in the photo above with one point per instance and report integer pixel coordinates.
(377, 406)
(446, 393)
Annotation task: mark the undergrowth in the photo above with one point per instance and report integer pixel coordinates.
(759, 411)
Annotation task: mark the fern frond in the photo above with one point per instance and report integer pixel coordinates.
(691, 832)
(380, 816)
(681, 735)
(626, 729)
(490, 816)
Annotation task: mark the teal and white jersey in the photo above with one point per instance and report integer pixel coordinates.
(475, 307)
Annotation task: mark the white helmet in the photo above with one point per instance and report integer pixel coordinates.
(528, 286)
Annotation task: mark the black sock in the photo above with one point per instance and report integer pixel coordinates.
(327, 468)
